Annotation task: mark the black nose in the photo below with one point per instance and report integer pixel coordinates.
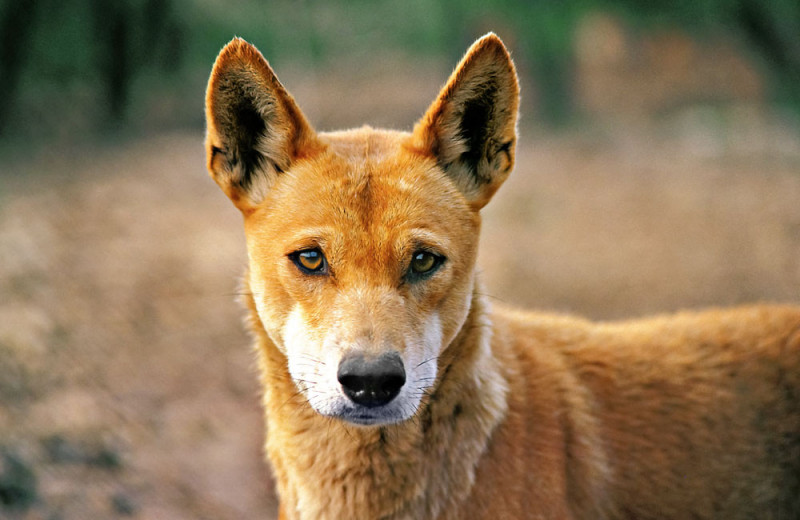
(372, 382)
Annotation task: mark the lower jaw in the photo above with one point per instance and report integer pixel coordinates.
(368, 420)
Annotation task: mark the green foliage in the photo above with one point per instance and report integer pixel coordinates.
(83, 64)
(769, 29)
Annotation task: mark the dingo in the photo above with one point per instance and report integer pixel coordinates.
(392, 390)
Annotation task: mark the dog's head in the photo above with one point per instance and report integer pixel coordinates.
(362, 243)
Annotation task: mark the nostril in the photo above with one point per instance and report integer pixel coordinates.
(372, 382)
(393, 382)
(352, 381)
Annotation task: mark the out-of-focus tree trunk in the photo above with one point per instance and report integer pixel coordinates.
(17, 20)
(113, 28)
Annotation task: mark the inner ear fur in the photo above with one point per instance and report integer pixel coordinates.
(255, 130)
(471, 127)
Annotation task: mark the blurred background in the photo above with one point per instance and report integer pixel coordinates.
(658, 169)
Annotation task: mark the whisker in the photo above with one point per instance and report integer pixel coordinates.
(291, 397)
(427, 361)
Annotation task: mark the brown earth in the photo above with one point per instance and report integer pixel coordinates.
(127, 385)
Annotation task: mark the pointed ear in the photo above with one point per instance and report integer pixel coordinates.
(471, 128)
(255, 130)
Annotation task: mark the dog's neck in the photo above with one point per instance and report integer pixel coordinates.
(329, 469)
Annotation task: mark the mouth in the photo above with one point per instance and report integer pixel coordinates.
(339, 407)
(369, 416)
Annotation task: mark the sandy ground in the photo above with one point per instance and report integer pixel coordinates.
(127, 384)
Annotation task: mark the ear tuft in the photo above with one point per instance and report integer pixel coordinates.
(254, 128)
(471, 127)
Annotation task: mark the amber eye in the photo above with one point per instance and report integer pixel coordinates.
(310, 261)
(422, 262)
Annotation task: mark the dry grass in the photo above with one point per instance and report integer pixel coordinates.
(126, 380)
(120, 336)
(640, 223)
